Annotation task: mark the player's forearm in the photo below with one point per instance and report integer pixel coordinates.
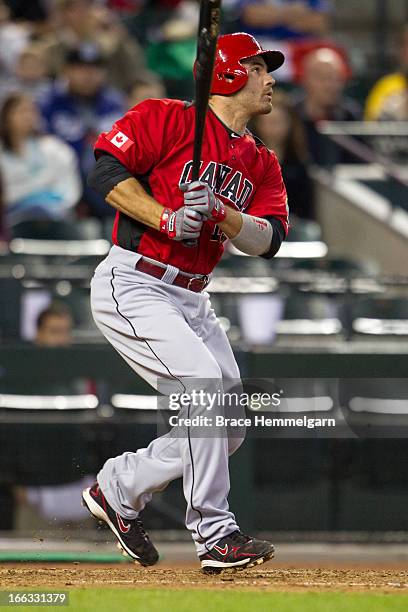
(255, 235)
(231, 226)
(251, 235)
(130, 198)
(121, 190)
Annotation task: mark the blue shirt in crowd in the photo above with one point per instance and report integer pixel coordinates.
(281, 32)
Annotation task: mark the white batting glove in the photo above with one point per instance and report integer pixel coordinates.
(199, 197)
(182, 224)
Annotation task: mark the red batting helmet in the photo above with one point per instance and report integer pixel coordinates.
(230, 75)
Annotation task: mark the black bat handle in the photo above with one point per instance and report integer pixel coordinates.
(208, 30)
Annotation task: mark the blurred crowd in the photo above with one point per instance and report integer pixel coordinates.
(70, 68)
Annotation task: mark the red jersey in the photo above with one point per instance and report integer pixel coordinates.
(154, 141)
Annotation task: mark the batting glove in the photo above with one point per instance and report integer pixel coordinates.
(202, 199)
(181, 224)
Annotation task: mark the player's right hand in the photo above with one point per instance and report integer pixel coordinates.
(181, 224)
(199, 197)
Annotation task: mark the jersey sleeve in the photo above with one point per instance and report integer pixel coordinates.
(138, 138)
(270, 198)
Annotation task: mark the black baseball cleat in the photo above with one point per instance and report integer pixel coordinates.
(132, 538)
(236, 550)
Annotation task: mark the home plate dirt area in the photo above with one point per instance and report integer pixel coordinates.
(268, 578)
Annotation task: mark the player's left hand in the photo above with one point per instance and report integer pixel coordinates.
(182, 224)
(199, 197)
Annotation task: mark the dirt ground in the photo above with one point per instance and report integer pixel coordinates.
(266, 578)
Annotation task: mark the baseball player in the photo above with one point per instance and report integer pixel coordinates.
(148, 295)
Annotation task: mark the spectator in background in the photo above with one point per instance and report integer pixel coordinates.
(30, 74)
(79, 107)
(39, 172)
(83, 22)
(283, 20)
(284, 24)
(282, 131)
(14, 38)
(172, 43)
(143, 90)
(388, 99)
(323, 79)
(54, 326)
(44, 504)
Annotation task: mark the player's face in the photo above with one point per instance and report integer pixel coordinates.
(256, 96)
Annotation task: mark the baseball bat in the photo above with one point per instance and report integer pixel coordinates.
(208, 30)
